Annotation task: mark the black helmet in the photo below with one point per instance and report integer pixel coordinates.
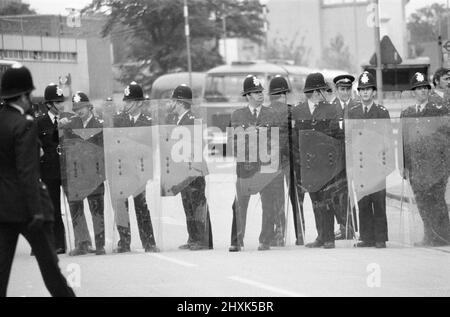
(419, 80)
(53, 93)
(344, 81)
(80, 100)
(366, 80)
(278, 85)
(16, 81)
(183, 93)
(133, 92)
(252, 84)
(315, 81)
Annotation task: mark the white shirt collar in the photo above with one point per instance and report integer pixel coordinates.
(312, 106)
(87, 121)
(343, 103)
(439, 93)
(134, 118)
(258, 109)
(181, 117)
(422, 106)
(52, 116)
(368, 107)
(18, 108)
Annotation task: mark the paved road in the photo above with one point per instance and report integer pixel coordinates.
(398, 270)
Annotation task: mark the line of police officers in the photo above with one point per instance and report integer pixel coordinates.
(315, 120)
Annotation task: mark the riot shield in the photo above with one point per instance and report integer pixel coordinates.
(129, 167)
(183, 214)
(83, 174)
(426, 171)
(373, 163)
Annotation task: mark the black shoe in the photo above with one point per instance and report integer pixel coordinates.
(60, 251)
(234, 248)
(263, 247)
(315, 244)
(32, 253)
(363, 244)
(329, 245)
(380, 245)
(100, 251)
(152, 249)
(122, 249)
(78, 251)
(198, 247)
(186, 246)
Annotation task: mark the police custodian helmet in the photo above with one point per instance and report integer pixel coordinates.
(133, 92)
(315, 81)
(278, 85)
(252, 84)
(16, 81)
(366, 80)
(80, 100)
(419, 80)
(53, 93)
(182, 92)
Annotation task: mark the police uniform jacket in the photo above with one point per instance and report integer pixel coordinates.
(49, 137)
(283, 116)
(19, 167)
(243, 118)
(123, 120)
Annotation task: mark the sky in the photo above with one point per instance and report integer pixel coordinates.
(59, 6)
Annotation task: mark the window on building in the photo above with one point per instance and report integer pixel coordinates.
(342, 2)
(39, 55)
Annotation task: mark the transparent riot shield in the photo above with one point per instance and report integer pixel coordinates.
(83, 175)
(425, 143)
(183, 213)
(373, 164)
(321, 180)
(129, 168)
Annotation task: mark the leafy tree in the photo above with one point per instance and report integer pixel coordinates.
(337, 55)
(280, 48)
(154, 30)
(17, 8)
(427, 23)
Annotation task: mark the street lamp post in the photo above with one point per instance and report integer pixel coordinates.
(378, 52)
(188, 41)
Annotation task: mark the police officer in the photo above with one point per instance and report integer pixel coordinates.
(317, 115)
(22, 208)
(253, 117)
(193, 195)
(441, 93)
(343, 102)
(49, 123)
(132, 116)
(87, 120)
(278, 89)
(372, 208)
(430, 198)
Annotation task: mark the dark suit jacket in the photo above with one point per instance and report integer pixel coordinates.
(19, 167)
(243, 118)
(50, 139)
(375, 112)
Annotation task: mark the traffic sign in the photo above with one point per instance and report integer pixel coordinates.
(447, 46)
(389, 54)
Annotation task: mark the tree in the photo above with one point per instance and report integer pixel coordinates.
(427, 23)
(337, 55)
(17, 8)
(155, 31)
(280, 48)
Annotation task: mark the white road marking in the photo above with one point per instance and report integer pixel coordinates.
(265, 286)
(179, 262)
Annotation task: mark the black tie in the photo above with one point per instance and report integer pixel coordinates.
(55, 122)
(255, 114)
(419, 109)
(366, 110)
